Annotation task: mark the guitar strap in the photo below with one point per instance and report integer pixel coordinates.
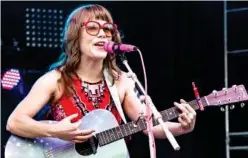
(114, 93)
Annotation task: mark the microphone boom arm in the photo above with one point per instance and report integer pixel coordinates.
(155, 112)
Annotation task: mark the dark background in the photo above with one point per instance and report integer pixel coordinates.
(181, 42)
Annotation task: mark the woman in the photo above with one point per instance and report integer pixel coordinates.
(78, 84)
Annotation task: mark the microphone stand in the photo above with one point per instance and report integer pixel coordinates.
(157, 115)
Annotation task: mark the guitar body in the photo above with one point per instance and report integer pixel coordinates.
(108, 131)
(46, 147)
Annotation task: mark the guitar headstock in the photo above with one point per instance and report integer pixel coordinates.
(235, 94)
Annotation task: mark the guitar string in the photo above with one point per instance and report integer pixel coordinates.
(61, 154)
(174, 109)
(67, 146)
(57, 149)
(163, 112)
(54, 150)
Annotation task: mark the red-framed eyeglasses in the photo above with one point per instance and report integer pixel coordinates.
(93, 28)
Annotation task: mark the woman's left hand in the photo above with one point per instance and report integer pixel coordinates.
(188, 116)
(186, 119)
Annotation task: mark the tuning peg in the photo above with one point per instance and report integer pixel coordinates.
(232, 107)
(242, 105)
(225, 90)
(222, 109)
(215, 93)
(235, 88)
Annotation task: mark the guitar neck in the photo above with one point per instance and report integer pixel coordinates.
(119, 132)
(173, 112)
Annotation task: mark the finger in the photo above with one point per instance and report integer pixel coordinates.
(191, 116)
(76, 124)
(74, 128)
(181, 107)
(78, 141)
(83, 132)
(86, 132)
(183, 101)
(185, 118)
(182, 122)
(71, 117)
(83, 138)
(190, 109)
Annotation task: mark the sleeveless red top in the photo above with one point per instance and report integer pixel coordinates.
(86, 97)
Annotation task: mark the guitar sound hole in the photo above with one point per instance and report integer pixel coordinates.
(87, 148)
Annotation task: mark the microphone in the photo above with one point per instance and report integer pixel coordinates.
(112, 47)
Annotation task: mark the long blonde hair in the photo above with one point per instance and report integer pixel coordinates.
(70, 58)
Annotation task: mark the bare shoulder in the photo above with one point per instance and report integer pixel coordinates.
(125, 80)
(48, 81)
(123, 83)
(50, 78)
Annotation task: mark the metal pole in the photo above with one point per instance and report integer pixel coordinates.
(226, 80)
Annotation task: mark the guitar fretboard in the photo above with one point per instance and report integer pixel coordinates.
(119, 132)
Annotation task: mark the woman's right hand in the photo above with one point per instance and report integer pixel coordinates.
(70, 131)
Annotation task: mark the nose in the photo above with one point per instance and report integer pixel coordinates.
(101, 34)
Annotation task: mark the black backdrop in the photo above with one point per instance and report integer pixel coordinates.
(181, 42)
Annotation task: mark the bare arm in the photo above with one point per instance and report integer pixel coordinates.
(20, 121)
(133, 108)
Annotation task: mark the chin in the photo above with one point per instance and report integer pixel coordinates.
(100, 54)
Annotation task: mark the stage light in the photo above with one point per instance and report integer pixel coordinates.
(10, 79)
(42, 25)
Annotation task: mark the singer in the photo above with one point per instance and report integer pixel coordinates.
(84, 80)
